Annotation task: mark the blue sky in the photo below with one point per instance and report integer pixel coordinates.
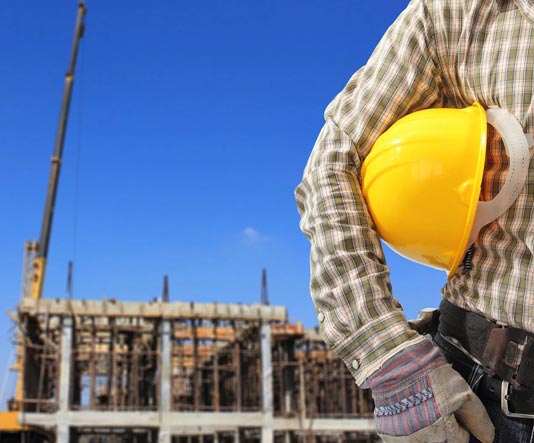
(190, 125)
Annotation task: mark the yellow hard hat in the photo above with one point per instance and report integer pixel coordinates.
(422, 181)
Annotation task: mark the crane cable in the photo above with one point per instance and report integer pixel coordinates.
(77, 160)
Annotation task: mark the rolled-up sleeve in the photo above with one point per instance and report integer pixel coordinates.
(359, 319)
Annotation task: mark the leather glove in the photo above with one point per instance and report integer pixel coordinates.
(419, 398)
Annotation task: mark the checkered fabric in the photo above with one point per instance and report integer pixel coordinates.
(438, 53)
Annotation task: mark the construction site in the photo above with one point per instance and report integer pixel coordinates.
(95, 371)
(109, 371)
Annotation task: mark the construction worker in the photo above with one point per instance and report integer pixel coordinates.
(438, 54)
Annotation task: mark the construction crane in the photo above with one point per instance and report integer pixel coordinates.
(37, 252)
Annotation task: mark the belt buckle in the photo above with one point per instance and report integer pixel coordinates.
(504, 403)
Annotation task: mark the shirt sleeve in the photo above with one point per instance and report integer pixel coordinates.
(359, 319)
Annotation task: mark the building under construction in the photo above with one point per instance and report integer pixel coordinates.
(169, 372)
(108, 371)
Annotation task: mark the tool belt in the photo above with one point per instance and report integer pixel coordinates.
(506, 355)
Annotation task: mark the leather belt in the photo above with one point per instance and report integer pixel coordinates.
(505, 351)
(504, 368)
(515, 401)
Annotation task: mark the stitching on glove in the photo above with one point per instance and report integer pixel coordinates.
(404, 404)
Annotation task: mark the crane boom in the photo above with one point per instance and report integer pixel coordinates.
(39, 262)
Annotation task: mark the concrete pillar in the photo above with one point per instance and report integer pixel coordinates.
(164, 435)
(302, 389)
(165, 394)
(65, 377)
(62, 434)
(267, 384)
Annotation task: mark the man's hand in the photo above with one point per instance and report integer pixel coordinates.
(419, 398)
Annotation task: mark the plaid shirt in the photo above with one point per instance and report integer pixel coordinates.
(438, 53)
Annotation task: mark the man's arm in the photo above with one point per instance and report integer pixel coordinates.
(359, 318)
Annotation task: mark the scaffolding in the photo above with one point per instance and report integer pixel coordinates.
(108, 371)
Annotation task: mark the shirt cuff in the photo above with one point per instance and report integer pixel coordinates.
(369, 347)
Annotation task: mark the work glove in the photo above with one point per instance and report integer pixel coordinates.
(419, 398)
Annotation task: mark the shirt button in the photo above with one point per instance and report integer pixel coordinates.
(320, 317)
(355, 364)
